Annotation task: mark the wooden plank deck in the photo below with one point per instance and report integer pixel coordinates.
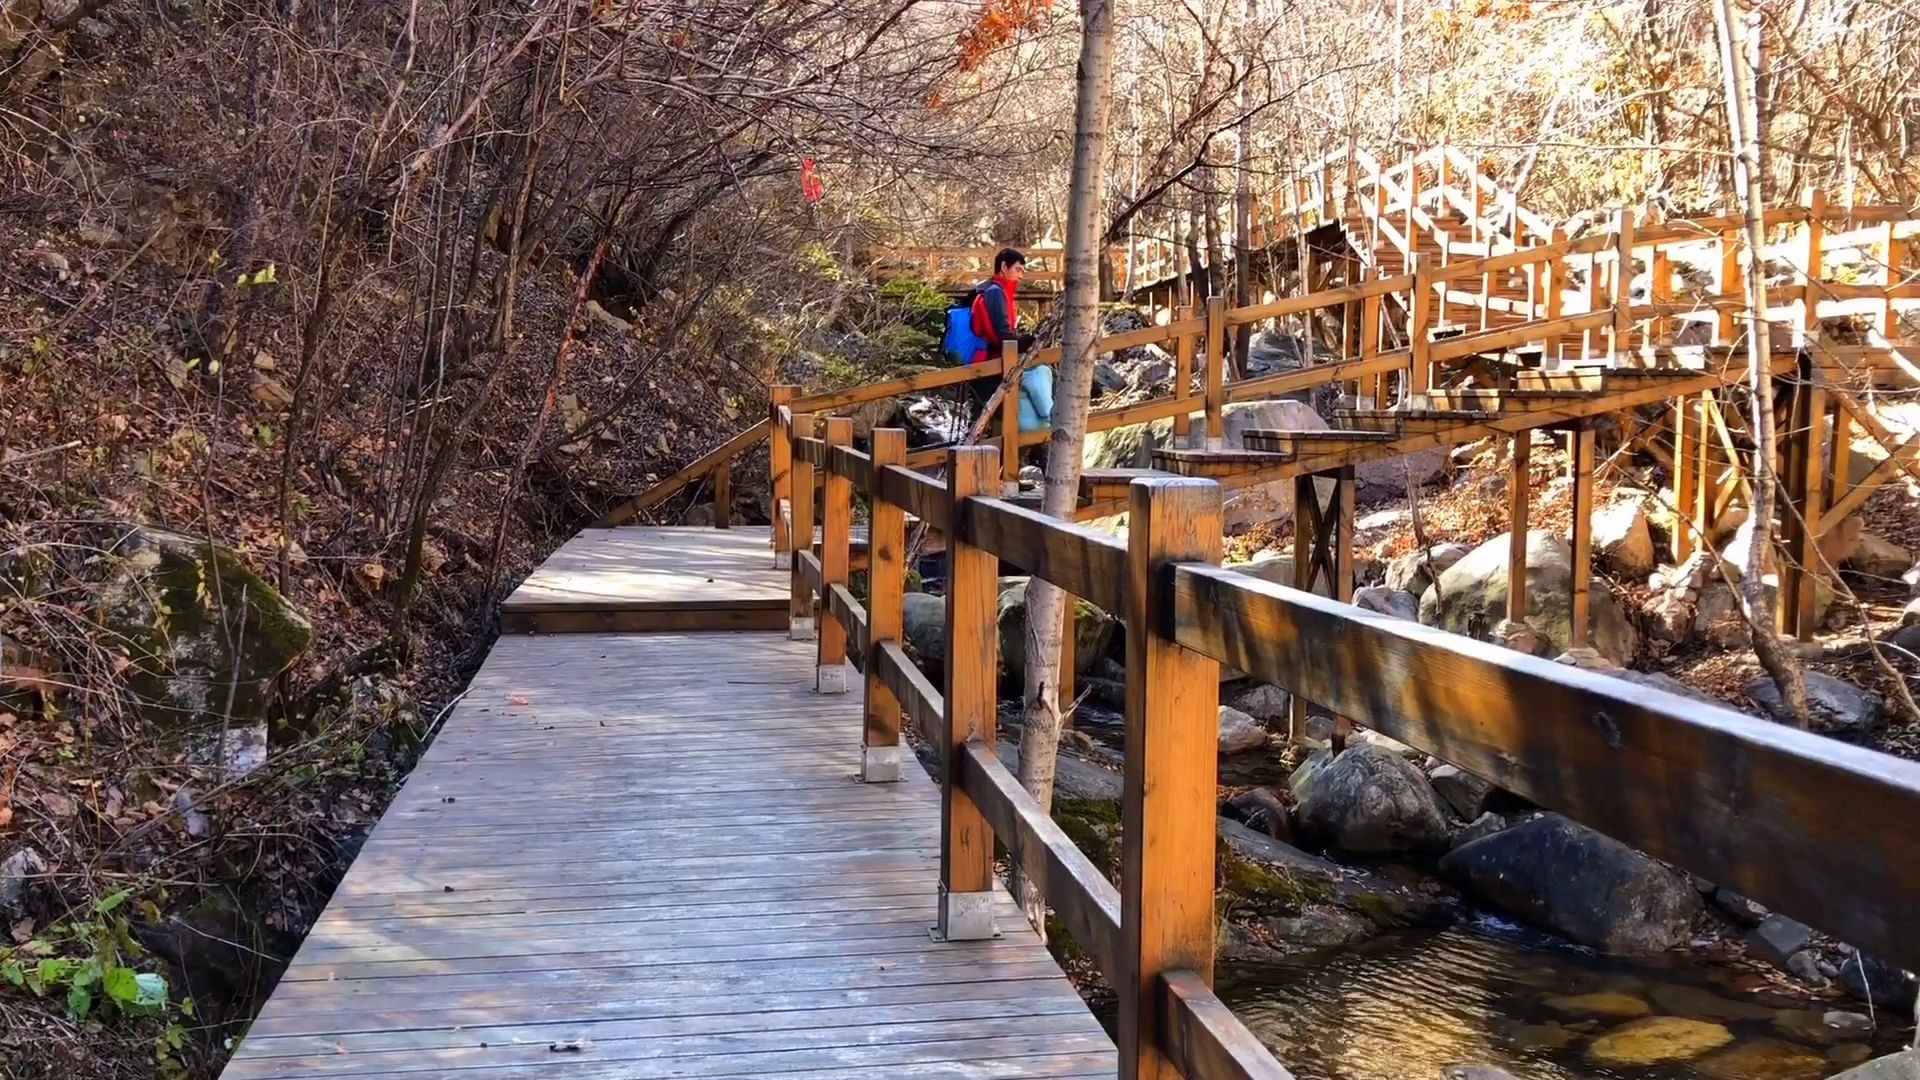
(636, 578)
(638, 856)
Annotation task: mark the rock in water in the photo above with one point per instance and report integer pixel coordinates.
(206, 635)
(1239, 732)
(1657, 1039)
(1621, 538)
(1462, 792)
(1764, 1059)
(1832, 704)
(1569, 879)
(1475, 1072)
(1904, 1065)
(1470, 598)
(1371, 801)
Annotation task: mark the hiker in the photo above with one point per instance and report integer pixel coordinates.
(986, 318)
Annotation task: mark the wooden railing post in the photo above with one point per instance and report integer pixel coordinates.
(1553, 282)
(1622, 339)
(1660, 292)
(1420, 333)
(886, 582)
(1730, 286)
(1887, 319)
(1168, 793)
(1370, 347)
(1581, 606)
(1216, 371)
(1183, 378)
(973, 642)
(800, 625)
(780, 461)
(1010, 418)
(835, 541)
(1517, 491)
(1807, 329)
(723, 495)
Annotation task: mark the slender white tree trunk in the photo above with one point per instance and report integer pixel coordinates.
(1741, 62)
(1073, 392)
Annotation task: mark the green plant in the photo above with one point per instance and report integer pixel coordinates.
(89, 960)
(920, 305)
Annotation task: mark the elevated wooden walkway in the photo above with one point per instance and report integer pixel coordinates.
(642, 855)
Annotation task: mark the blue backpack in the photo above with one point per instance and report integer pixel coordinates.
(960, 342)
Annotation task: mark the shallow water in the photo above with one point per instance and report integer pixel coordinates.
(1404, 1006)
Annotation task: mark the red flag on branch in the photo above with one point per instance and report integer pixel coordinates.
(810, 185)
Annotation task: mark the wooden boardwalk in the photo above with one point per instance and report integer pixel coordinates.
(645, 855)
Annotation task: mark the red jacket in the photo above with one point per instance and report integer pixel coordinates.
(993, 315)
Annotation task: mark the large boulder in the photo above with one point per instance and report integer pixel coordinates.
(1394, 602)
(1622, 540)
(923, 619)
(1574, 881)
(1093, 631)
(1132, 446)
(1470, 598)
(205, 636)
(1734, 562)
(1904, 1065)
(1276, 567)
(1239, 732)
(1879, 558)
(1832, 704)
(1260, 700)
(1370, 801)
(1416, 571)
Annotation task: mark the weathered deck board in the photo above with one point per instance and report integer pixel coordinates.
(654, 843)
(638, 578)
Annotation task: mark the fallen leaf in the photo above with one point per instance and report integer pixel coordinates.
(57, 805)
(374, 573)
(516, 699)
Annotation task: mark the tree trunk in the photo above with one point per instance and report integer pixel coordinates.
(1046, 603)
(1740, 62)
(1243, 202)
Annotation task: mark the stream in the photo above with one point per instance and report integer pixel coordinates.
(1485, 992)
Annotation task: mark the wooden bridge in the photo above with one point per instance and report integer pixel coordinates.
(695, 848)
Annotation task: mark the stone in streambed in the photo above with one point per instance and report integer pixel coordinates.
(1657, 1039)
(1603, 1003)
(1239, 732)
(1370, 801)
(1764, 1059)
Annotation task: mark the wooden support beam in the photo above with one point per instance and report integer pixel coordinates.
(1306, 536)
(1375, 384)
(1660, 291)
(780, 458)
(800, 625)
(1840, 476)
(1581, 611)
(1807, 325)
(1216, 358)
(886, 584)
(1169, 787)
(1731, 282)
(1342, 538)
(1183, 379)
(1010, 418)
(1553, 283)
(836, 540)
(1420, 332)
(1687, 477)
(1808, 489)
(723, 495)
(973, 641)
(1703, 509)
(1621, 341)
(1517, 491)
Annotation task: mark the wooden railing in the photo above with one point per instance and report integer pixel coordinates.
(1493, 297)
(1768, 811)
(965, 266)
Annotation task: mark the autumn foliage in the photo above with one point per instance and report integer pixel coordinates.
(998, 22)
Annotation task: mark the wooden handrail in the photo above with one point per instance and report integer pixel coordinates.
(701, 466)
(1701, 786)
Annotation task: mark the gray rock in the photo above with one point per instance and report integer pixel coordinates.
(1832, 704)
(1470, 598)
(1261, 810)
(208, 637)
(1622, 540)
(1806, 966)
(1415, 571)
(1734, 561)
(1276, 567)
(1262, 701)
(1743, 908)
(1876, 557)
(1574, 881)
(1778, 938)
(17, 874)
(923, 618)
(1462, 792)
(1307, 773)
(1870, 978)
(1657, 681)
(1093, 631)
(1485, 825)
(1370, 737)
(1239, 732)
(1370, 801)
(1394, 602)
(1904, 1065)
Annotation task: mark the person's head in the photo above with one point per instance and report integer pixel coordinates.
(1010, 264)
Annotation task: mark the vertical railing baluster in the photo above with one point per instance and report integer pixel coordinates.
(1010, 417)
(835, 540)
(886, 580)
(1183, 379)
(780, 465)
(1216, 351)
(1169, 789)
(973, 643)
(800, 625)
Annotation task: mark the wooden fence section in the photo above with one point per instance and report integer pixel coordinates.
(964, 267)
(1766, 810)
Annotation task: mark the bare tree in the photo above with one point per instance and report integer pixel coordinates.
(1047, 608)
